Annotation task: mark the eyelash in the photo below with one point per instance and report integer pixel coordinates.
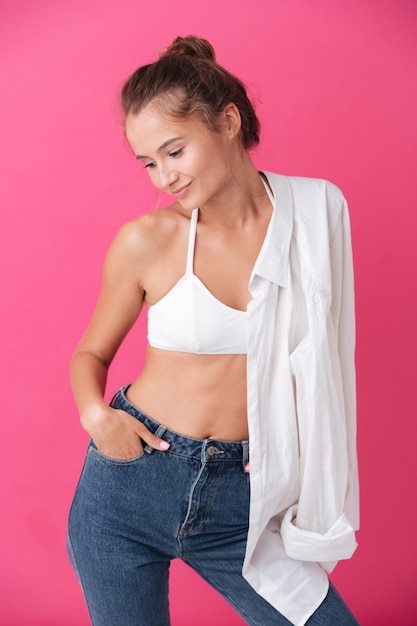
(174, 155)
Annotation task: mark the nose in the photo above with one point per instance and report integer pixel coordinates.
(167, 177)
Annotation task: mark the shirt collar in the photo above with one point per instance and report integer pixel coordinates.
(273, 259)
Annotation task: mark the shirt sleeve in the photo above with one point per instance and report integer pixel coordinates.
(320, 526)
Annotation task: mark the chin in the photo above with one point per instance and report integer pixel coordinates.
(187, 204)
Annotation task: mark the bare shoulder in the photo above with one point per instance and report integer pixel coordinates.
(145, 238)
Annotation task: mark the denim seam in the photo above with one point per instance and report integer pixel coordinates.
(184, 456)
(77, 569)
(207, 509)
(112, 461)
(198, 458)
(190, 500)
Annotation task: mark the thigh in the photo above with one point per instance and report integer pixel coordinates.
(332, 612)
(221, 567)
(119, 560)
(119, 596)
(223, 573)
(216, 548)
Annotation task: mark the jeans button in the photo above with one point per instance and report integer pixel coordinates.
(211, 450)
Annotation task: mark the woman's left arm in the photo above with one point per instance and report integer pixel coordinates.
(320, 527)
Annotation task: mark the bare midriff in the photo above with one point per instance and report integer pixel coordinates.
(198, 395)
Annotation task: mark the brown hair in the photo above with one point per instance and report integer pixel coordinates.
(187, 81)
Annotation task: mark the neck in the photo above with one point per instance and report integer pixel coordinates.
(241, 200)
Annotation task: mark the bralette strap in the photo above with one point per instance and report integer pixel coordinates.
(191, 242)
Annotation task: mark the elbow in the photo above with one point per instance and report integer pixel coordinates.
(83, 355)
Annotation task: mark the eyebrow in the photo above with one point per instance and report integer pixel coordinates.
(162, 147)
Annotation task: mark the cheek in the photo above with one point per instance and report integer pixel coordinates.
(192, 162)
(199, 159)
(208, 167)
(153, 176)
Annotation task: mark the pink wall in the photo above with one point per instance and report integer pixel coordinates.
(335, 87)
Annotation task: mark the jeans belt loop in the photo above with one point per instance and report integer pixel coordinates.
(245, 455)
(158, 433)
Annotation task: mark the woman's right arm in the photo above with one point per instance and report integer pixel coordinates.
(115, 432)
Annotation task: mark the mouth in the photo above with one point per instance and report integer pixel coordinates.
(181, 191)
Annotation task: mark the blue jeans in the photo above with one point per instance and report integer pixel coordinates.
(129, 519)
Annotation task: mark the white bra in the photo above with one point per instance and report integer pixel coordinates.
(190, 319)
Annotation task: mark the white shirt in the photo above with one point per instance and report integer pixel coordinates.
(301, 398)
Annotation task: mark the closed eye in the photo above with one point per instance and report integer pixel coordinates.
(176, 153)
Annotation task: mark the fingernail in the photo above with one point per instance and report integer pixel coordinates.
(164, 445)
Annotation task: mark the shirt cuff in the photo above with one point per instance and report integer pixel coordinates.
(305, 545)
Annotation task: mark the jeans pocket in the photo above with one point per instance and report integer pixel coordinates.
(94, 451)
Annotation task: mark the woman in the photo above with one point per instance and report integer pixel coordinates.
(247, 278)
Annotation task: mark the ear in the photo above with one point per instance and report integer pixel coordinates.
(232, 120)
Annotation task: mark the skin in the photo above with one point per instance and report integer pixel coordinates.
(202, 396)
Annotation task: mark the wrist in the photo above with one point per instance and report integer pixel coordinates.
(93, 415)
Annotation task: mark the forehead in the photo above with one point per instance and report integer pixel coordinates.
(151, 127)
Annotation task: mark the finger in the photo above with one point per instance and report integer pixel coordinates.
(152, 440)
(247, 468)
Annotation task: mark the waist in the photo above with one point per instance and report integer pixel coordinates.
(198, 395)
(209, 448)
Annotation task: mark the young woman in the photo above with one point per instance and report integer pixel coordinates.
(247, 278)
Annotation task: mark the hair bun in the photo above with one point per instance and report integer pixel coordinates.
(192, 47)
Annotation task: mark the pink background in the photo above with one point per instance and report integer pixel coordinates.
(335, 87)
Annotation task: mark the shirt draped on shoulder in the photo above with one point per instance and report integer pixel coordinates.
(301, 398)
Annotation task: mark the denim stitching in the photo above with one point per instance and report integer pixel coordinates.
(112, 461)
(204, 513)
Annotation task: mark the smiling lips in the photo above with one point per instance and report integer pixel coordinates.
(181, 191)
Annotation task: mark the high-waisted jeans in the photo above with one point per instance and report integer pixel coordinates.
(130, 518)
